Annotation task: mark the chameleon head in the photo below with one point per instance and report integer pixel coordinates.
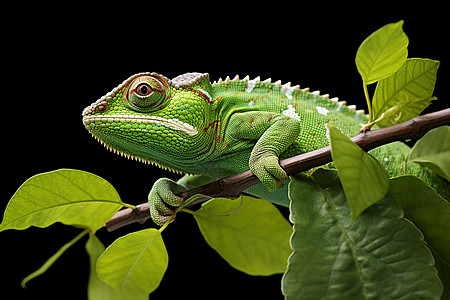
(149, 118)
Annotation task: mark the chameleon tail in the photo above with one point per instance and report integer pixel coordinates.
(394, 158)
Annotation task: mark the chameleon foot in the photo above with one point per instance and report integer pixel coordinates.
(268, 171)
(162, 193)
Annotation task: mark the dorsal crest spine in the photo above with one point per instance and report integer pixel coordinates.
(286, 89)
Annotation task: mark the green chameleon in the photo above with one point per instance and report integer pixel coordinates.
(188, 125)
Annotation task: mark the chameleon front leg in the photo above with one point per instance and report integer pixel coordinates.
(274, 134)
(164, 192)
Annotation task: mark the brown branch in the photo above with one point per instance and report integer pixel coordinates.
(232, 186)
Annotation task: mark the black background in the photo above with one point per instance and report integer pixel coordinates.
(59, 59)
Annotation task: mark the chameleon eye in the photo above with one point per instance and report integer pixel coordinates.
(143, 90)
(146, 93)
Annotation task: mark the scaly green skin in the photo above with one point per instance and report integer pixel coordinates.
(189, 125)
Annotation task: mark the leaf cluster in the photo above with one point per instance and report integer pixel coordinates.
(404, 89)
(254, 240)
(405, 86)
(380, 255)
(355, 256)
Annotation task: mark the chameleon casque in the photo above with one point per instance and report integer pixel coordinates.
(211, 130)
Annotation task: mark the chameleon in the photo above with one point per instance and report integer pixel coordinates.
(207, 131)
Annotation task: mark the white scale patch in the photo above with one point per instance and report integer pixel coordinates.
(327, 132)
(251, 103)
(290, 112)
(322, 110)
(205, 93)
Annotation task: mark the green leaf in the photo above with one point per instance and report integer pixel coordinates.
(52, 259)
(406, 93)
(71, 197)
(378, 256)
(382, 53)
(363, 178)
(134, 263)
(97, 289)
(254, 240)
(433, 151)
(431, 214)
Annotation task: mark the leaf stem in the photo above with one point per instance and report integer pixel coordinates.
(166, 224)
(187, 210)
(369, 103)
(53, 258)
(129, 206)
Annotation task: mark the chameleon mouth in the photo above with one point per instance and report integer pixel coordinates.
(174, 124)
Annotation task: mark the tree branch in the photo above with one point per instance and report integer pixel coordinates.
(232, 186)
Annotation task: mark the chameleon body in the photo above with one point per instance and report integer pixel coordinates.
(211, 130)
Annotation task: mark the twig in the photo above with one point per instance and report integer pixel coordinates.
(232, 186)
